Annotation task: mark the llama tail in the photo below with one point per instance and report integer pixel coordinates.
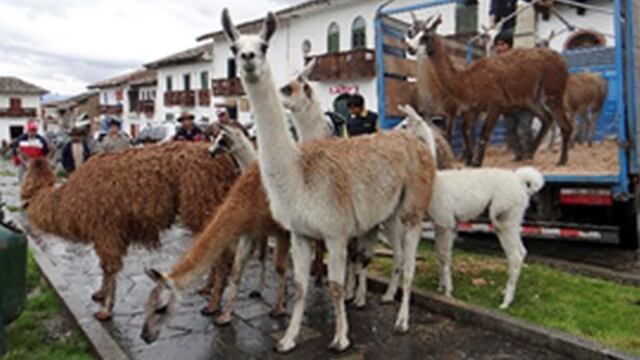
(531, 178)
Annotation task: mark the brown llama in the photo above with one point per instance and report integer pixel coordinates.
(531, 79)
(122, 199)
(585, 96)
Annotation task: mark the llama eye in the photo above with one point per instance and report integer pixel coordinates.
(234, 49)
(162, 310)
(264, 48)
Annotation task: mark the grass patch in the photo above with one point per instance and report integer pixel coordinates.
(12, 209)
(7, 173)
(604, 311)
(40, 332)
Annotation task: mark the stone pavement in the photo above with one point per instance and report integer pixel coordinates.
(253, 334)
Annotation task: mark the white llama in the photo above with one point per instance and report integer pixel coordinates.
(331, 189)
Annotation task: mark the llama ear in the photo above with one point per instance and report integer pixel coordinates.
(308, 69)
(156, 276)
(269, 27)
(414, 17)
(437, 22)
(228, 27)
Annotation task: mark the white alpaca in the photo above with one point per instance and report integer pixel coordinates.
(330, 189)
(234, 142)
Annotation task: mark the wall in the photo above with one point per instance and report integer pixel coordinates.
(28, 101)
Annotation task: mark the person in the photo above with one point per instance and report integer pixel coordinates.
(517, 122)
(500, 9)
(188, 130)
(76, 151)
(114, 140)
(29, 146)
(360, 121)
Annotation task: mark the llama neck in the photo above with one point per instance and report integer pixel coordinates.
(450, 78)
(244, 154)
(279, 153)
(309, 122)
(42, 208)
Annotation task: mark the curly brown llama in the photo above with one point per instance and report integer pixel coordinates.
(531, 79)
(122, 199)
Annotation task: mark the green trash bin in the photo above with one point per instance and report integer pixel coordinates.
(13, 276)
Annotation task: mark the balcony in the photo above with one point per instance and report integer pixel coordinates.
(180, 98)
(18, 112)
(204, 97)
(227, 87)
(348, 65)
(111, 109)
(145, 106)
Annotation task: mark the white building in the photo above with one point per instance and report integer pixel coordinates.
(184, 84)
(19, 102)
(341, 34)
(130, 98)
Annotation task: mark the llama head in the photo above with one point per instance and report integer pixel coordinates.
(39, 175)
(160, 307)
(250, 50)
(421, 37)
(230, 140)
(297, 94)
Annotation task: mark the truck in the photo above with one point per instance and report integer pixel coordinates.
(596, 197)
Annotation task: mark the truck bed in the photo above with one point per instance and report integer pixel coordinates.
(599, 160)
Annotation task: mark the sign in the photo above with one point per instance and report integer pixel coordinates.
(343, 89)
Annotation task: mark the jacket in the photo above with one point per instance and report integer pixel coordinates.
(68, 162)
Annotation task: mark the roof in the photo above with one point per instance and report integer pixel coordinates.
(199, 53)
(292, 11)
(71, 101)
(13, 85)
(128, 78)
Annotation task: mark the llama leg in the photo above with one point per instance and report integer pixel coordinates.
(410, 249)
(221, 270)
(281, 262)
(444, 243)
(337, 260)
(509, 236)
(243, 253)
(301, 256)
(99, 295)
(111, 264)
(485, 136)
(467, 134)
(366, 254)
(566, 130)
(395, 234)
(263, 244)
(352, 268)
(206, 289)
(546, 122)
(318, 262)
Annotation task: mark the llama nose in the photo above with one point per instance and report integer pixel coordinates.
(248, 55)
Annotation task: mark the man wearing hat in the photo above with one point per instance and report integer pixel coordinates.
(29, 146)
(115, 140)
(188, 130)
(76, 151)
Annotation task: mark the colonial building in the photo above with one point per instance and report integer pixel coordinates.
(63, 114)
(129, 97)
(184, 84)
(19, 102)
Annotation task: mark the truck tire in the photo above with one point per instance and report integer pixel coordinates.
(628, 215)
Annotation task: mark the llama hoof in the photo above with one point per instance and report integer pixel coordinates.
(209, 311)
(385, 300)
(277, 313)
(360, 304)
(223, 320)
(284, 346)
(255, 294)
(401, 327)
(339, 346)
(98, 296)
(103, 315)
(504, 305)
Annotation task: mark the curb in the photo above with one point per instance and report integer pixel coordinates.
(100, 340)
(557, 341)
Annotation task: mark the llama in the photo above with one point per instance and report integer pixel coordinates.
(463, 195)
(117, 200)
(245, 214)
(585, 96)
(331, 189)
(532, 79)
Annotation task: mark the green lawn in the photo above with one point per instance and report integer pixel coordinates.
(7, 173)
(604, 311)
(40, 332)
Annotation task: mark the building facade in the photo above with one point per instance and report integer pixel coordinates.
(20, 102)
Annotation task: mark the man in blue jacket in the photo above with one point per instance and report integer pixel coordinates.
(76, 151)
(360, 121)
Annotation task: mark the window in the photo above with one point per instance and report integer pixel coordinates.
(169, 83)
(204, 80)
(231, 68)
(15, 103)
(105, 98)
(359, 33)
(187, 82)
(333, 38)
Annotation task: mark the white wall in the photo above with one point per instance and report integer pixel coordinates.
(28, 101)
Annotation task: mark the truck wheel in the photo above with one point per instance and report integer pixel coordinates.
(628, 220)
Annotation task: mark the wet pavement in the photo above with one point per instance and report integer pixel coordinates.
(252, 333)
